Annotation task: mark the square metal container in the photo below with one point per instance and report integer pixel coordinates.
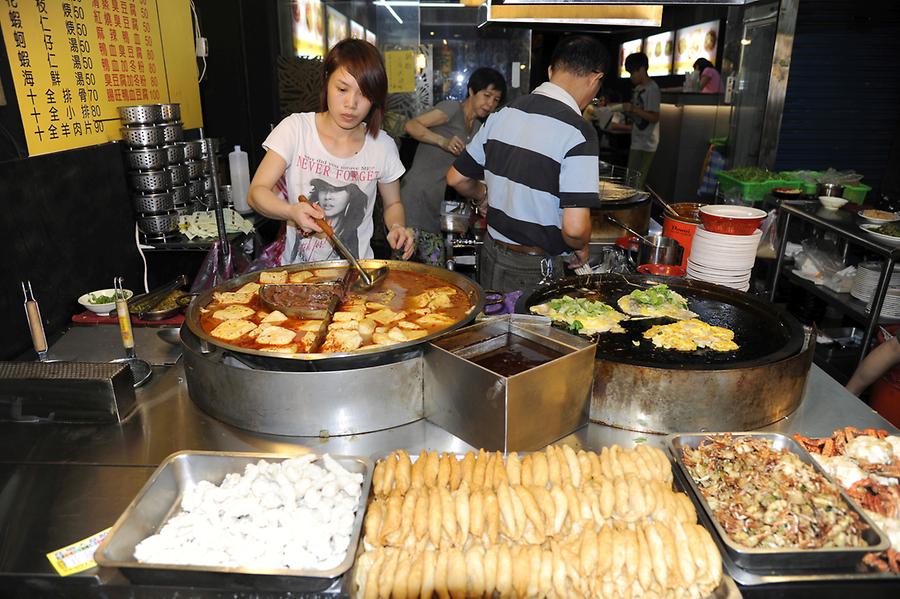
(521, 412)
(776, 560)
(160, 499)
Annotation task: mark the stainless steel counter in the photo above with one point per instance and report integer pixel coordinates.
(64, 482)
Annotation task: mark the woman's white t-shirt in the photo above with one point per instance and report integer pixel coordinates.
(344, 187)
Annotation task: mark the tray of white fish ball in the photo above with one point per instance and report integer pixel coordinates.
(243, 520)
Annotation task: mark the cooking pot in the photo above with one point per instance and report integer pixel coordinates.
(681, 228)
(660, 250)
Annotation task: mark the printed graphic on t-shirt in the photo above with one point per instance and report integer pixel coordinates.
(638, 100)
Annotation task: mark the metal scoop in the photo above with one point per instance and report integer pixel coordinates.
(368, 279)
(619, 223)
(140, 369)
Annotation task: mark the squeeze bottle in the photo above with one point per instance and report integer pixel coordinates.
(240, 179)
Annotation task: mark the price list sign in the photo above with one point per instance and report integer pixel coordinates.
(74, 62)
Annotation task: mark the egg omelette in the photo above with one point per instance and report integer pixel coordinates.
(689, 335)
(654, 302)
(582, 315)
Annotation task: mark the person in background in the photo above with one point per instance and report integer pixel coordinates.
(538, 159)
(710, 82)
(878, 367)
(443, 133)
(337, 158)
(643, 110)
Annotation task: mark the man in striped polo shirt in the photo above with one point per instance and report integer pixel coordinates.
(538, 160)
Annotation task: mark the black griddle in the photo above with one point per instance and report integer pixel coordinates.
(764, 333)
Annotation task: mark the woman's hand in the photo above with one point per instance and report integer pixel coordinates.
(401, 238)
(454, 145)
(304, 215)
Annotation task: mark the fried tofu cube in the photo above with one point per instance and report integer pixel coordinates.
(307, 341)
(435, 320)
(345, 325)
(340, 341)
(284, 349)
(405, 324)
(274, 317)
(278, 277)
(347, 315)
(249, 288)
(382, 339)
(232, 297)
(231, 330)
(440, 300)
(329, 273)
(299, 277)
(396, 335)
(234, 312)
(414, 334)
(386, 316)
(275, 335)
(381, 329)
(374, 306)
(311, 325)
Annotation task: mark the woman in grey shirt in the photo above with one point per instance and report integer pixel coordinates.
(443, 133)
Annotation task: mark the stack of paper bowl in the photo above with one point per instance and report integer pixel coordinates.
(866, 280)
(891, 306)
(723, 259)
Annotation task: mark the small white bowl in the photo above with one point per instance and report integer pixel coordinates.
(831, 202)
(84, 300)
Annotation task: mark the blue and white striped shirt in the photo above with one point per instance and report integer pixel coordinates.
(537, 156)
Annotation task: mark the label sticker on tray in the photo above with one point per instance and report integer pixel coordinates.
(78, 556)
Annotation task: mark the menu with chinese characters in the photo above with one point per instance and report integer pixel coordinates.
(74, 62)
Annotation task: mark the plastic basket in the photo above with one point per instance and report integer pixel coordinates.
(753, 191)
(856, 193)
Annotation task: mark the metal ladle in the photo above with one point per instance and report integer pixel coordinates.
(662, 202)
(619, 223)
(368, 279)
(140, 369)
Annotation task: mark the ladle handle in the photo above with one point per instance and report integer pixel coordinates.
(337, 243)
(619, 223)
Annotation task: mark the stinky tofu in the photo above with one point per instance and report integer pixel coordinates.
(339, 341)
(346, 325)
(274, 317)
(435, 320)
(310, 325)
(299, 277)
(414, 334)
(396, 334)
(232, 297)
(347, 315)
(234, 312)
(382, 339)
(278, 277)
(275, 335)
(307, 341)
(406, 324)
(329, 273)
(282, 349)
(232, 329)
(386, 316)
(249, 288)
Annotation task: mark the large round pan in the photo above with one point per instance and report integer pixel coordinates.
(334, 361)
(764, 333)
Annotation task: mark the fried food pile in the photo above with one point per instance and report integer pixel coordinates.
(556, 523)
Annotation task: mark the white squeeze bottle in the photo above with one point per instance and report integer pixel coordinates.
(240, 179)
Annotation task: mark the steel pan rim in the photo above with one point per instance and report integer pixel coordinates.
(795, 331)
(472, 290)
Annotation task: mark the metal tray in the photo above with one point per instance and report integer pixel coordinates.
(776, 560)
(160, 498)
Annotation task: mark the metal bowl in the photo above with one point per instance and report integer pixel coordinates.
(142, 136)
(175, 153)
(144, 159)
(144, 114)
(180, 194)
(194, 169)
(170, 113)
(172, 132)
(152, 181)
(153, 203)
(829, 189)
(158, 224)
(193, 150)
(178, 174)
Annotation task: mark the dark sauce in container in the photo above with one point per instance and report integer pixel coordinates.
(516, 355)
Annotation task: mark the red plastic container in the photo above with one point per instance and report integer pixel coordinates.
(664, 270)
(731, 220)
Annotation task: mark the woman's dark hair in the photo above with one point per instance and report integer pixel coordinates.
(362, 60)
(484, 77)
(581, 55)
(635, 61)
(702, 64)
(354, 212)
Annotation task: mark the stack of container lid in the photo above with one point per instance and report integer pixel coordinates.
(156, 170)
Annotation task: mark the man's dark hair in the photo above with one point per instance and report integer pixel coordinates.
(484, 77)
(635, 61)
(580, 55)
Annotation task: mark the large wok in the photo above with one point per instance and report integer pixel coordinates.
(763, 333)
(333, 361)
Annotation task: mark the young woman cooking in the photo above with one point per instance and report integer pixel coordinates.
(338, 160)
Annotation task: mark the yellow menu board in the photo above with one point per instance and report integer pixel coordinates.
(74, 62)
(401, 71)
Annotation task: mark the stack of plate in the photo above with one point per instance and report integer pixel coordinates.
(891, 306)
(723, 259)
(866, 280)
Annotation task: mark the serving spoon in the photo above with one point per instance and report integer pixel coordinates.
(368, 279)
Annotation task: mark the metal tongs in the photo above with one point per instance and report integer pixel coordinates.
(140, 369)
(35, 323)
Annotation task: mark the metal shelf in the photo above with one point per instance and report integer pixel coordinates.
(848, 304)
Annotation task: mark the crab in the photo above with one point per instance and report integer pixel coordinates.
(886, 561)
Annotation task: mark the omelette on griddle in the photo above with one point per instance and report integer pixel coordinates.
(582, 315)
(688, 335)
(656, 301)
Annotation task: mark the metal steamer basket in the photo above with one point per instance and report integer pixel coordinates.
(180, 195)
(192, 149)
(143, 136)
(153, 203)
(178, 174)
(175, 153)
(150, 181)
(144, 114)
(144, 159)
(312, 394)
(194, 169)
(158, 224)
(172, 132)
(170, 113)
(640, 387)
(194, 187)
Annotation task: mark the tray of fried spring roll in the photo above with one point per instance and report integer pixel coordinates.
(771, 506)
(553, 523)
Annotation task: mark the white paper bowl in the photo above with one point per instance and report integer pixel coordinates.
(101, 308)
(831, 202)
